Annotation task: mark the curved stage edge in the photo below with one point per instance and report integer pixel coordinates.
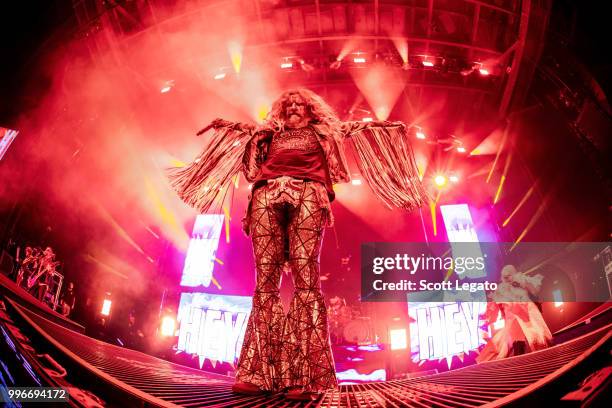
(55, 353)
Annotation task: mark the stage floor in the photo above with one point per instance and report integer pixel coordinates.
(161, 383)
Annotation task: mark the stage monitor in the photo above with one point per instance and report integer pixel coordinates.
(441, 330)
(200, 259)
(212, 326)
(445, 329)
(460, 228)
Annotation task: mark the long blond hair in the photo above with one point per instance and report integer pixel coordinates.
(324, 117)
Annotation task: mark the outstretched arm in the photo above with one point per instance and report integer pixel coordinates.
(351, 127)
(205, 181)
(222, 123)
(386, 160)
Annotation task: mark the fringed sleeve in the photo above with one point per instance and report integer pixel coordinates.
(251, 160)
(386, 160)
(205, 181)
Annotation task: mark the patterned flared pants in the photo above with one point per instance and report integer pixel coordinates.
(286, 222)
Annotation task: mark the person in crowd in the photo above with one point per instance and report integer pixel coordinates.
(68, 300)
(524, 327)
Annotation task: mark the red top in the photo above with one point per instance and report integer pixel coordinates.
(296, 153)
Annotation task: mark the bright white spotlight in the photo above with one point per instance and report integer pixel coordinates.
(453, 179)
(483, 71)
(286, 65)
(168, 326)
(367, 119)
(420, 135)
(427, 63)
(440, 180)
(398, 339)
(220, 75)
(356, 182)
(461, 149)
(359, 60)
(106, 307)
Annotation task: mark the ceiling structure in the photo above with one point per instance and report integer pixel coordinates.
(443, 46)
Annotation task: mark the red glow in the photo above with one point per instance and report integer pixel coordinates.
(381, 99)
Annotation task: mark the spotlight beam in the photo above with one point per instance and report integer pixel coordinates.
(503, 177)
(532, 221)
(119, 229)
(520, 204)
(104, 266)
(499, 150)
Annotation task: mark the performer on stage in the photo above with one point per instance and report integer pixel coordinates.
(67, 300)
(524, 327)
(38, 283)
(29, 266)
(293, 160)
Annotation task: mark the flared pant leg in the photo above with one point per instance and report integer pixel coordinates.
(259, 361)
(306, 350)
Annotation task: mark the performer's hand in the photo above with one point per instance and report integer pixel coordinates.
(215, 124)
(259, 137)
(396, 123)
